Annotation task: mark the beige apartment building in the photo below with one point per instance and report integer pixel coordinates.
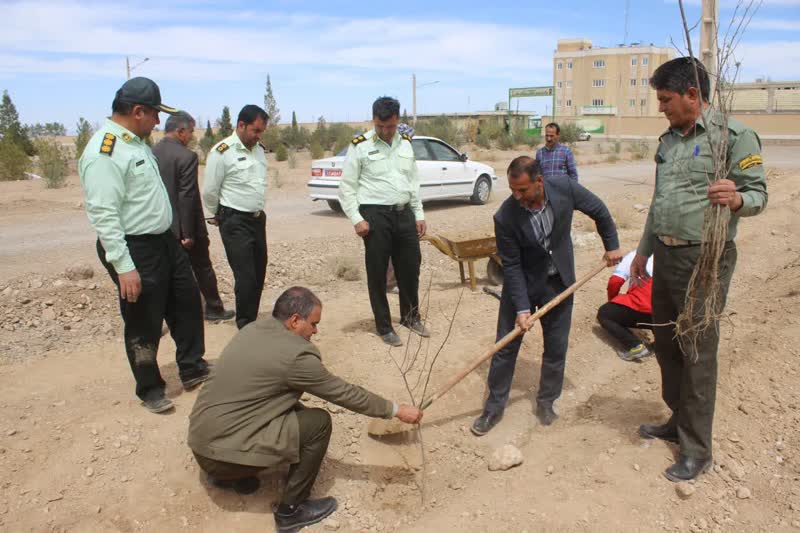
(602, 82)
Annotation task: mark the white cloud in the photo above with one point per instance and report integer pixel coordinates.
(780, 60)
(775, 24)
(204, 46)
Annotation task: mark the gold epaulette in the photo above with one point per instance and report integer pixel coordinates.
(359, 139)
(222, 147)
(109, 140)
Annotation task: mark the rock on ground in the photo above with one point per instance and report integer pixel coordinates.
(506, 457)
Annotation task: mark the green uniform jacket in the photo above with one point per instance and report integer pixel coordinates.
(245, 413)
(684, 167)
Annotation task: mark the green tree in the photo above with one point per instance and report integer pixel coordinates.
(294, 121)
(10, 126)
(404, 118)
(281, 153)
(569, 133)
(316, 150)
(209, 140)
(271, 106)
(271, 139)
(52, 162)
(442, 127)
(14, 162)
(84, 134)
(225, 128)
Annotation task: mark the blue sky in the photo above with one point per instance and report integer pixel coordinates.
(64, 59)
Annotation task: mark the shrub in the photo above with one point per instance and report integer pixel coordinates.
(505, 142)
(84, 134)
(52, 163)
(612, 158)
(521, 136)
(281, 153)
(317, 152)
(442, 127)
(617, 147)
(640, 150)
(14, 162)
(271, 138)
(346, 267)
(483, 140)
(569, 133)
(292, 159)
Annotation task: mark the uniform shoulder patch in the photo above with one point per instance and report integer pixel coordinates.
(359, 139)
(126, 137)
(222, 147)
(107, 146)
(750, 161)
(406, 136)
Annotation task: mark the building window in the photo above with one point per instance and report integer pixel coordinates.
(560, 83)
(597, 101)
(644, 82)
(559, 66)
(644, 102)
(633, 61)
(645, 60)
(569, 65)
(598, 83)
(599, 63)
(569, 102)
(633, 82)
(632, 102)
(569, 84)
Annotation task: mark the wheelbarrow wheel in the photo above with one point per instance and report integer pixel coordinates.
(494, 271)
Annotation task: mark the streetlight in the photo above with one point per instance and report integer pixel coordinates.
(129, 68)
(414, 87)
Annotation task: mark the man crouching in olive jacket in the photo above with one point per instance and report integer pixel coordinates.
(248, 416)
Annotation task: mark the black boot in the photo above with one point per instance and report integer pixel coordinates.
(667, 432)
(484, 423)
(309, 512)
(545, 413)
(687, 468)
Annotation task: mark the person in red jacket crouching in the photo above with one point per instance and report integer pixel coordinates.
(632, 309)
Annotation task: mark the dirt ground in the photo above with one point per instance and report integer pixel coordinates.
(78, 453)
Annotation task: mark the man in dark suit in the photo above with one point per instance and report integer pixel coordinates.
(178, 167)
(532, 228)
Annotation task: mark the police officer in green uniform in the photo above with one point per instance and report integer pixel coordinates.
(129, 208)
(673, 233)
(233, 193)
(379, 193)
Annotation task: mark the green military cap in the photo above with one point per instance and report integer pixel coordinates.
(143, 91)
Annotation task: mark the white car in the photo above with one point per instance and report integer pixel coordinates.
(444, 172)
(584, 136)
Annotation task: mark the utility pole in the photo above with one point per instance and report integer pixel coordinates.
(129, 68)
(708, 39)
(414, 97)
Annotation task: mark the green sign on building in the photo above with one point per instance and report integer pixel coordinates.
(525, 92)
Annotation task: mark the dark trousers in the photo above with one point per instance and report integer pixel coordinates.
(315, 433)
(169, 293)
(616, 319)
(688, 375)
(245, 239)
(204, 273)
(555, 329)
(392, 234)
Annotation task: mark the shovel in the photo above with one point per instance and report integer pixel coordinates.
(379, 427)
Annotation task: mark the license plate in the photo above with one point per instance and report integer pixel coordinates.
(336, 172)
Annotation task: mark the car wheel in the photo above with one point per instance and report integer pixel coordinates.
(335, 206)
(588, 137)
(494, 271)
(482, 191)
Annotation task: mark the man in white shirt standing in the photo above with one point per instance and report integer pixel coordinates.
(233, 193)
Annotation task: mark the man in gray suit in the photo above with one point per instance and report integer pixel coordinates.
(178, 167)
(533, 232)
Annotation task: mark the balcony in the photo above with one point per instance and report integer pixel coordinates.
(598, 110)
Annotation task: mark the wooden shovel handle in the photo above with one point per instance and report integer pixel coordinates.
(512, 335)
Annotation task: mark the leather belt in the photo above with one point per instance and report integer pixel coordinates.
(395, 207)
(673, 241)
(256, 214)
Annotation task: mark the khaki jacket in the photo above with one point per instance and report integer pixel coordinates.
(245, 412)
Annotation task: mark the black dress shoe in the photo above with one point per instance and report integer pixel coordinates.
(687, 468)
(307, 513)
(484, 423)
(245, 485)
(215, 315)
(667, 432)
(545, 413)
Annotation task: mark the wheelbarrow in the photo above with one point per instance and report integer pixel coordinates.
(469, 251)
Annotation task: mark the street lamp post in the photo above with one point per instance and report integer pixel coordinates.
(129, 68)
(414, 87)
